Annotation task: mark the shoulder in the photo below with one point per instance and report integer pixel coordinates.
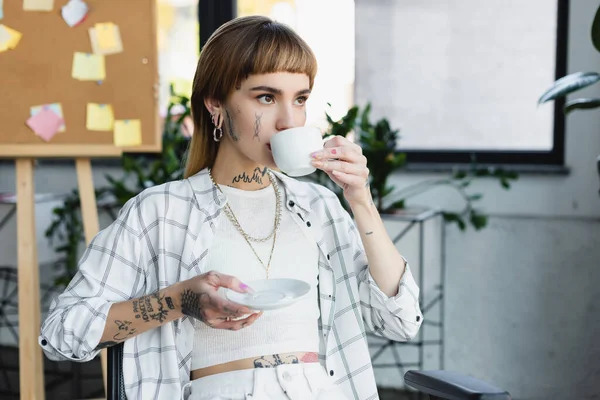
(157, 201)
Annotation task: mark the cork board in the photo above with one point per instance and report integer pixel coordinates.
(39, 71)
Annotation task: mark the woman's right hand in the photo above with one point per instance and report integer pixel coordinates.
(199, 299)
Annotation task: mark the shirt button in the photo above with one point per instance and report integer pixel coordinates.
(44, 342)
(291, 203)
(331, 372)
(308, 223)
(418, 318)
(328, 256)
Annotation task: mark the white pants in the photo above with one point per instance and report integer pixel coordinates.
(304, 381)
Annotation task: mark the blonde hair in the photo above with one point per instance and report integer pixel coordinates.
(241, 47)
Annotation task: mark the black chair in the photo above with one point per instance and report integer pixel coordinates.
(438, 385)
(114, 371)
(448, 385)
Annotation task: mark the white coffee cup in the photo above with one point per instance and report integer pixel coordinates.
(292, 149)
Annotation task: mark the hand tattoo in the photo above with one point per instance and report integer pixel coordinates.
(257, 126)
(192, 305)
(231, 129)
(257, 176)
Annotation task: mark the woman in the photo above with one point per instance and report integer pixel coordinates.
(153, 277)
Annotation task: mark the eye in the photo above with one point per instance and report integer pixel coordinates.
(301, 100)
(266, 99)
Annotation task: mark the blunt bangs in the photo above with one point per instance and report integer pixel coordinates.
(277, 49)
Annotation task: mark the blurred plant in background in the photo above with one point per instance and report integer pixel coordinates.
(379, 145)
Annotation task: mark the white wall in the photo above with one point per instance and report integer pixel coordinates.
(522, 296)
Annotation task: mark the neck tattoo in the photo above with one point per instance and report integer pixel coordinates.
(257, 176)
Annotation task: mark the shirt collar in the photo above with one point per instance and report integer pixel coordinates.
(208, 195)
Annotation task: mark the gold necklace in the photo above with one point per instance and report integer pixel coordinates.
(235, 222)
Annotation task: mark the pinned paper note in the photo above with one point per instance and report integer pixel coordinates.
(106, 35)
(106, 39)
(45, 124)
(38, 5)
(9, 38)
(74, 12)
(128, 132)
(100, 117)
(56, 108)
(88, 67)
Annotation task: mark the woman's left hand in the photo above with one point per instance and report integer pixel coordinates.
(345, 164)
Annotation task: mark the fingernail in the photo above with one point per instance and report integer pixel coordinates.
(246, 288)
(315, 154)
(333, 151)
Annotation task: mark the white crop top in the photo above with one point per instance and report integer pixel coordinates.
(290, 329)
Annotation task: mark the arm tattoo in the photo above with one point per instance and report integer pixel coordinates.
(124, 331)
(145, 309)
(369, 233)
(231, 129)
(275, 360)
(257, 176)
(257, 126)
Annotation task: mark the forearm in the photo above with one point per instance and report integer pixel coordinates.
(385, 262)
(130, 318)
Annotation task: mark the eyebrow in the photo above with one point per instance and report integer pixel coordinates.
(277, 91)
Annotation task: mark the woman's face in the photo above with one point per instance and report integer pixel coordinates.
(262, 106)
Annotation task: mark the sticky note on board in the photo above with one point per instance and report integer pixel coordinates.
(128, 132)
(74, 12)
(45, 124)
(100, 117)
(97, 49)
(88, 67)
(38, 5)
(9, 38)
(56, 108)
(105, 33)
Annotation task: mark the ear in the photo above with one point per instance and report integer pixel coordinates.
(215, 109)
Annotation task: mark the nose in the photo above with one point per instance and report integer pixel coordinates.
(285, 119)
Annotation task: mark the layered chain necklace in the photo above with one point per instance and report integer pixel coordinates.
(229, 212)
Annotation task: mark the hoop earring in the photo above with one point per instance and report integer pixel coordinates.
(217, 132)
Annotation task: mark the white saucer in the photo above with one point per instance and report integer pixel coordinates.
(270, 294)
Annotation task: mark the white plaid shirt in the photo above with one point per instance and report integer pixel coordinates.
(162, 236)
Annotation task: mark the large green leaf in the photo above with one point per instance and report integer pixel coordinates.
(596, 30)
(569, 84)
(581, 104)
